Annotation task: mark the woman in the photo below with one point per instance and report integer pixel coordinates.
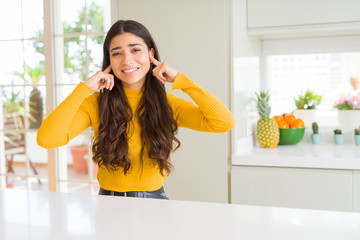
(135, 122)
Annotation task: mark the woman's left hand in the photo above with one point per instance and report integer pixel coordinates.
(163, 71)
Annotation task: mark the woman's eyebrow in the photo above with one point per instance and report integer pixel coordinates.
(129, 45)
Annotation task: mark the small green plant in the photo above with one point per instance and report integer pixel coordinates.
(315, 128)
(309, 100)
(337, 131)
(357, 131)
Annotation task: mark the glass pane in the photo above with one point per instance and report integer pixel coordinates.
(95, 189)
(75, 159)
(15, 157)
(74, 187)
(72, 17)
(95, 46)
(16, 182)
(74, 60)
(33, 18)
(35, 106)
(36, 155)
(95, 17)
(13, 108)
(34, 62)
(62, 92)
(38, 184)
(332, 75)
(11, 21)
(12, 69)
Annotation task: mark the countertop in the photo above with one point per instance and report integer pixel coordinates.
(302, 155)
(44, 215)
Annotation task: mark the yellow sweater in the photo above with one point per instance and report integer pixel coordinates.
(80, 111)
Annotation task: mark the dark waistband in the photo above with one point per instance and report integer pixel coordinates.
(130, 193)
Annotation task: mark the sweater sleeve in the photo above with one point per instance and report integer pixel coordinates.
(67, 120)
(210, 114)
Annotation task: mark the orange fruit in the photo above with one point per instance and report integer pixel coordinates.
(290, 119)
(278, 118)
(300, 122)
(296, 125)
(282, 124)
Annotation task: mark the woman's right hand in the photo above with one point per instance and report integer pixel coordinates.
(100, 80)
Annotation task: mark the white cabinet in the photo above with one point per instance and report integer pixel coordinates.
(325, 189)
(272, 16)
(356, 191)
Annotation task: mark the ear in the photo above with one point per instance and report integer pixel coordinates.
(152, 52)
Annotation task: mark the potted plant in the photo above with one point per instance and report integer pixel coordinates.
(357, 136)
(315, 136)
(306, 104)
(339, 137)
(348, 110)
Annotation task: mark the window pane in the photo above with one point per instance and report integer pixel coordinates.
(72, 17)
(33, 18)
(13, 108)
(76, 159)
(9, 13)
(37, 156)
(95, 15)
(15, 157)
(34, 62)
(11, 63)
(38, 184)
(63, 92)
(16, 182)
(74, 60)
(95, 45)
(328, 74)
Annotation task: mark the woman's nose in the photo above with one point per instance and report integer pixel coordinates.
(127, 58)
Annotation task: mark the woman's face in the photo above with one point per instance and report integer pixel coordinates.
(129, 59)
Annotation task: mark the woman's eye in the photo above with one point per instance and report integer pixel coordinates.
(116, 54)
(136, 50)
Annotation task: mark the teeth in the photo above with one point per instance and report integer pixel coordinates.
(130, 70)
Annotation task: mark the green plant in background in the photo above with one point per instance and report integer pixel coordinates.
(337, 131)
(315, 128)
(309, 100)
(357, 131)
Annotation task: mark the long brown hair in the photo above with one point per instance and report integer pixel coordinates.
(155, 115)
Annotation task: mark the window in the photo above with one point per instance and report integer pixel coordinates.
(22, 86)
(329, 66)
(79, 30)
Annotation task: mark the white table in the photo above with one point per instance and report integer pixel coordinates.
(44, 215)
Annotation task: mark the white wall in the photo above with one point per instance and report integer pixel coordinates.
(193, 36)
(246, 65)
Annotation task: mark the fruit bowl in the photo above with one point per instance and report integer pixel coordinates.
(291, 136)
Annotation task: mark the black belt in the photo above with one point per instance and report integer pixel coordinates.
(140, 194)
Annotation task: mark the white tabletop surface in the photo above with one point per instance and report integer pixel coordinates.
(43, 215)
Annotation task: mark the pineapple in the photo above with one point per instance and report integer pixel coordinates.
(267, 131)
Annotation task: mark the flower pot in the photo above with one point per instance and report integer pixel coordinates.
(80, 155)
(357, 140)
(339, 139)
(349, 118)
(316, 138)
(307, 115)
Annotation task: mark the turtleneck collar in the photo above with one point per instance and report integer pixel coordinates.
(130, 93)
